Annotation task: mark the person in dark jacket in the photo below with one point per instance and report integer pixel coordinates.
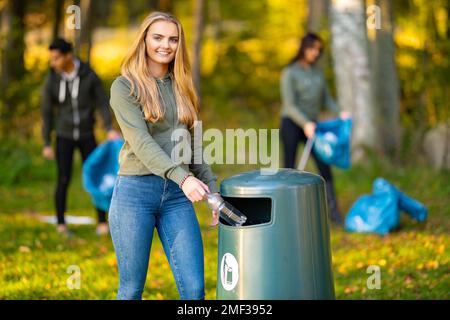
(70, 95)
(303, 93)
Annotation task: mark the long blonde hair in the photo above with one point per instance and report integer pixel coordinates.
(134, 67)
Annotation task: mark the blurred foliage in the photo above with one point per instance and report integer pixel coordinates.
(244, 48)
(422, 37)
(17, 160)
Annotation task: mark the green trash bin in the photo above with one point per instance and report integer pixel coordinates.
(283, 249)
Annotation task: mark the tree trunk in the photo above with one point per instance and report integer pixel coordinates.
(352, 69)
(14, 46)
(197, 43)
(165, 6)
(317, 15)
(385, 80)
(12, 59)
(83, 41)
(59, 5)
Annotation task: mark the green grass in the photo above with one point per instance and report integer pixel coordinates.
(34, 259)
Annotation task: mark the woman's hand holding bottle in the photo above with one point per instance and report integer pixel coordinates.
(194, 189)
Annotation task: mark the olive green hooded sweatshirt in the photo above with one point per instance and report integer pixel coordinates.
(148, 146)
(303, 93)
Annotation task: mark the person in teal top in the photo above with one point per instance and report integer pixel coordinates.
(303, 93)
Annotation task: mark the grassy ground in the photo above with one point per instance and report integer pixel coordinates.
(34, 259)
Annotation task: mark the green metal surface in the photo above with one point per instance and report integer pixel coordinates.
(288, 255)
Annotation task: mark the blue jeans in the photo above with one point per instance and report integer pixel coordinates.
(138, 205)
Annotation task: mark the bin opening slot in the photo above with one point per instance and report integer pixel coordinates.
(257, 210)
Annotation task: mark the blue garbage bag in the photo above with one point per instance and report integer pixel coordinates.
(100, 172)
(407, 204)
(413, 207)
(332, 142)
(379, 212)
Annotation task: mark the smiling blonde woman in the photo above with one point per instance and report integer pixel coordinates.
(153, 97)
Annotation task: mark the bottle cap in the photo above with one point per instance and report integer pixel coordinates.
(214, 201)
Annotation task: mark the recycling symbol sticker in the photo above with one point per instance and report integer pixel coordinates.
(229, 271)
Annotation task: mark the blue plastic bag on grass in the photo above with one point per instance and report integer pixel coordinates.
(100, 172)
(379, 212)
(332, 142)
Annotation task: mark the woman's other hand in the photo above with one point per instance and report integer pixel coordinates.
(113, 135)
(345, 115)
(309, 129)
(48, 153)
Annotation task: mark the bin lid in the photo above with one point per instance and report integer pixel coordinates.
(253, 182)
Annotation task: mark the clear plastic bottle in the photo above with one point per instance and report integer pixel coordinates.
(226, 211)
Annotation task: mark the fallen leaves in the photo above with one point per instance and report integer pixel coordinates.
(24, 249)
